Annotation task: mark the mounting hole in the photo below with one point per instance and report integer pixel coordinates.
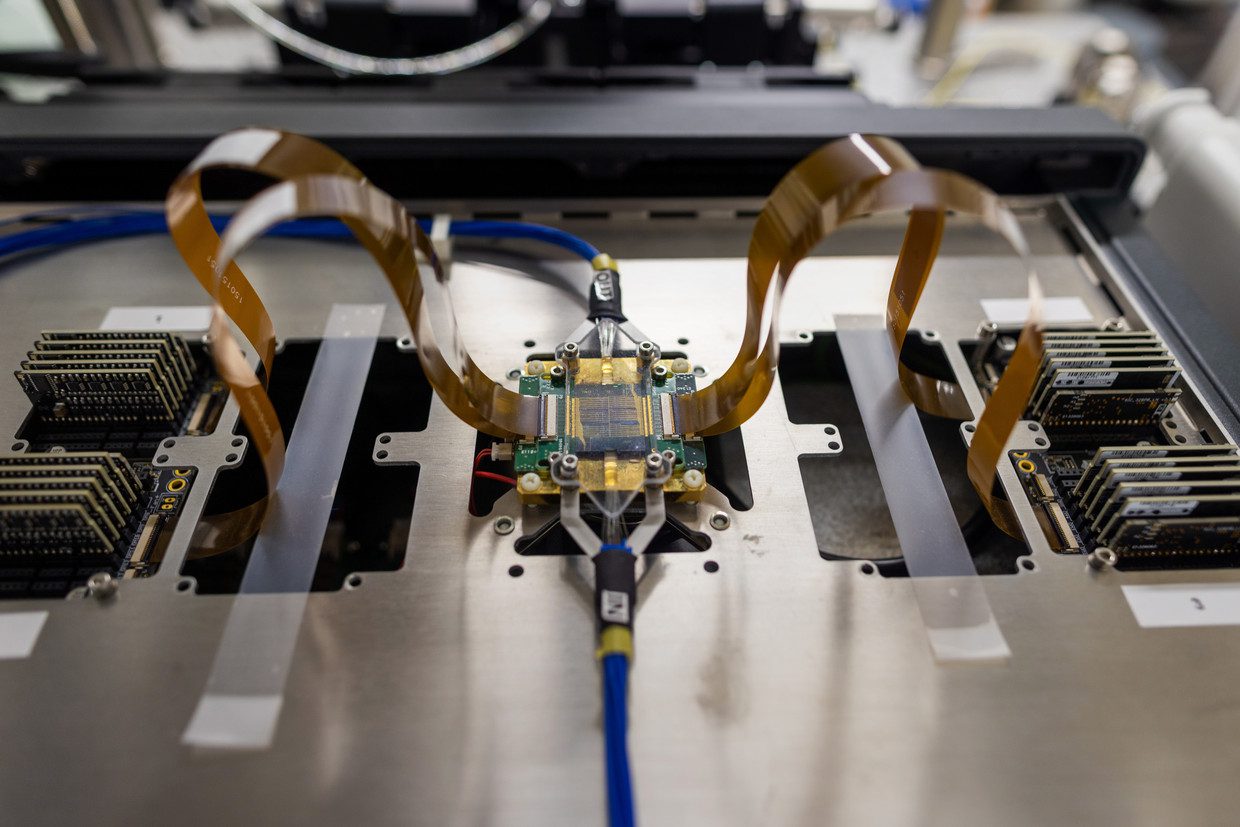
(698, 370)
(529, 343)
(682, 341)
(1027, 564)
(353, 581)
(161, 458)
(1040, 442)
(868, 568)
(168, 443)
(385, 439)
(829, 430)
(833, 445)
(514, 374)
(230, 458)
(1033, 426)
(405, 341)
(970, 427)
(1170, 423)
(516, 571)
(17, 446)
(184, 585)
(381, 455)
(1181, 439)
(238, 442)
(711, 566)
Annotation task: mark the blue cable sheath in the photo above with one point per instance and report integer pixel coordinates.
(615, 724)
(143, 223)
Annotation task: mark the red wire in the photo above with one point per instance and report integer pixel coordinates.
(486, 475)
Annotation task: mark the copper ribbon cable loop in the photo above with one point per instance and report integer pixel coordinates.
(391, 237)
(383, 227)
(843, 180)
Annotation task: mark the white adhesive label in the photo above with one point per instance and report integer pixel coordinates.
(615, 608)
(1185, 604)
(1172, 508)
(1084, 379)
(187, 319)
(1055, 310)
(19, 631)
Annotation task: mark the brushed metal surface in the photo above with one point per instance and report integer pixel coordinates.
(783, 689)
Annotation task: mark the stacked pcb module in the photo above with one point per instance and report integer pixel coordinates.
(108, 376)
(1111, 475)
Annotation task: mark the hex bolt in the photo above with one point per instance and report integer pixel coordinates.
(101, 585)
(568, 466)
(647, 352)
(504, 525)
(720, 520)
(660, 372)
(1102, 558)
(654, 464)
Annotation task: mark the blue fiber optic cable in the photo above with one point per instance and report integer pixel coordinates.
(144, 223)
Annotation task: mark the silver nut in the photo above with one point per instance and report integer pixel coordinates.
(720, 520)
(1102, 558)
(504, 524)
(101, 585)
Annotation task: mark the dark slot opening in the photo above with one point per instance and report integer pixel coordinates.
(370, 516)
(851, 517)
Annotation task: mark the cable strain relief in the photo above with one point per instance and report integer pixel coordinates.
(615, 640)
(605, 298)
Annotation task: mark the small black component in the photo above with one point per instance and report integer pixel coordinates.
(605, 299)
(615, 587)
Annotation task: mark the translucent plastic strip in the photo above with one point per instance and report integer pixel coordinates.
(844, 180)
(244, 691)
(953, 606)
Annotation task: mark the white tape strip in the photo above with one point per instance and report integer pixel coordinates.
(1172, 605)
(19, 631)
(244, 692)
(1055, 310)
(183, 319)
(953, 604)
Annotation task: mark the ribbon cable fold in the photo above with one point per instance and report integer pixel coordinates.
(841, 181)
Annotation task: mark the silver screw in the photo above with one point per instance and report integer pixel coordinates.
(660, 372)
(1102, 558)
(568, 466)
(571, 349)
(654, 463)
(647, 352)
(101, 585)
(557, 372)
(720, 520)
(504, 525)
